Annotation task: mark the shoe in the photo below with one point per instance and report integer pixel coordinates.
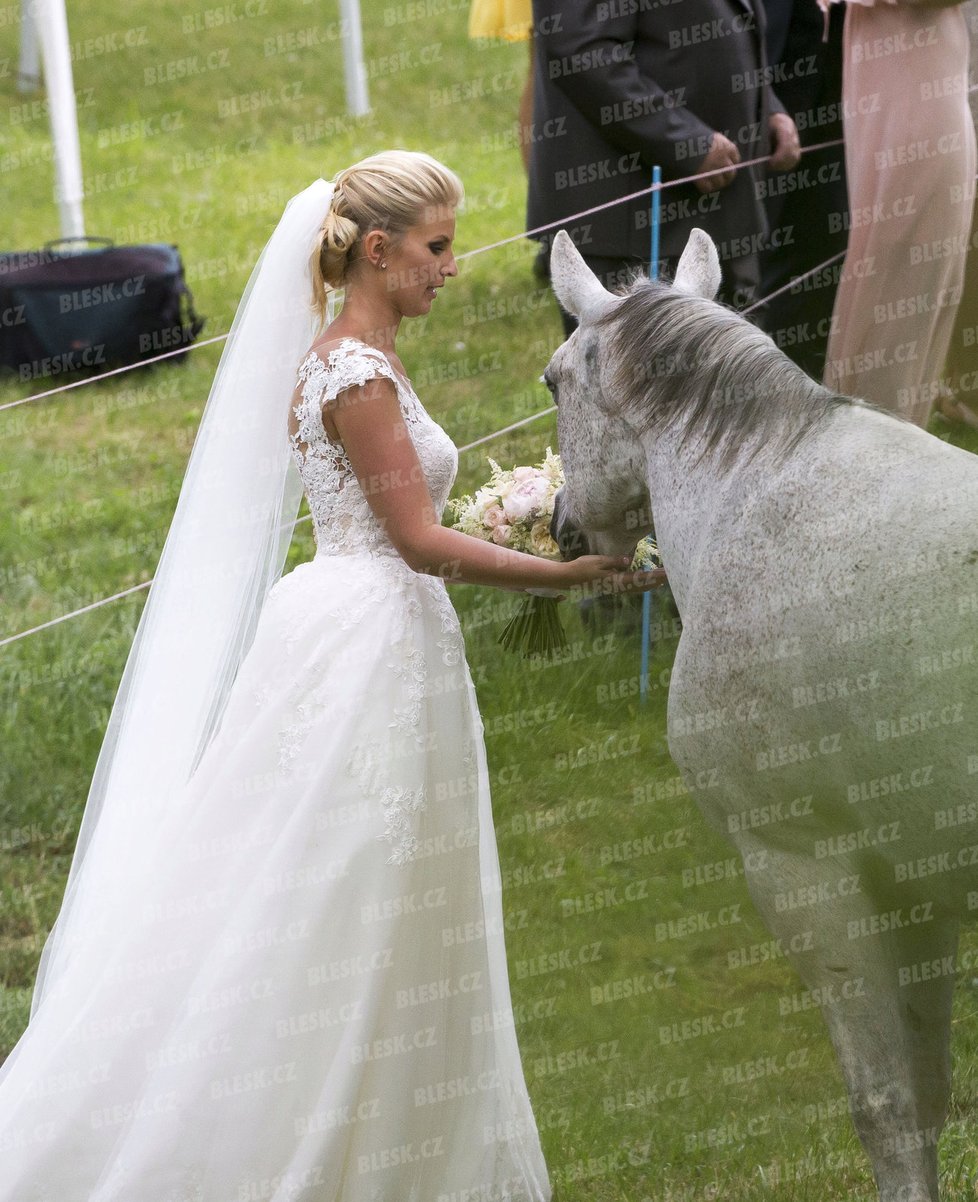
(956, 411)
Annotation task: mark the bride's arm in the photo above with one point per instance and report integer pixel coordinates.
(371, 427)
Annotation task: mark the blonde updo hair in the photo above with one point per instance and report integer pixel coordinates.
(388, 191)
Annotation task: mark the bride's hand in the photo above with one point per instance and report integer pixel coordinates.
(609, 574)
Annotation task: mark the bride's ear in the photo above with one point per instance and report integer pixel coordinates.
(375, 247)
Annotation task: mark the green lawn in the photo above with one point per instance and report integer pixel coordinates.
(205, 155)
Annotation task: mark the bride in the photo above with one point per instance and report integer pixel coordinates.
(278, 972)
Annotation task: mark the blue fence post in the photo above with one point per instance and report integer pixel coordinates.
(643, 679)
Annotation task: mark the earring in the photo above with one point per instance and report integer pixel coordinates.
(384, 265)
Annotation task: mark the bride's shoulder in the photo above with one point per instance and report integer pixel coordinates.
(344, 343)
(337, 352)
(344, 362)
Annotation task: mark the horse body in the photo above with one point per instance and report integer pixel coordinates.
(822, 701)
(827, 638)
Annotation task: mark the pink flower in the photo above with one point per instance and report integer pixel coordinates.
(493, 515)
(527, 498)
(500, 534)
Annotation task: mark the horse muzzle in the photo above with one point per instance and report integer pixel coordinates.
(571, 539)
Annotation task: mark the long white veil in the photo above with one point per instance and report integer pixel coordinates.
(225, 549)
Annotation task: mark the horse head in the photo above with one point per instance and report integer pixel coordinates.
(603, 507)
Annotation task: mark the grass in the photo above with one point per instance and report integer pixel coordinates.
(88, 481)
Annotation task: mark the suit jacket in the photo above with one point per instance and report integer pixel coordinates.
(620, 85)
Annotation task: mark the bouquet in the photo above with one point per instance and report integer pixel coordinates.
(514, 509)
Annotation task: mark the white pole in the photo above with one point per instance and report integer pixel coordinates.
(52, 29)
(357, 100)
(29, 73)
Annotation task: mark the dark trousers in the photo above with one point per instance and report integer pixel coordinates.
(806, 207)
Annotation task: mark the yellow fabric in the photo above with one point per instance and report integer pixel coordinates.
(509, 20)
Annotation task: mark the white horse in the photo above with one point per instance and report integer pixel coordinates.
(823, 555)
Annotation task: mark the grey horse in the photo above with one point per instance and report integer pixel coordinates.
(823, 555)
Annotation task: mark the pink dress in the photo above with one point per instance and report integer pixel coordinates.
(911, 162)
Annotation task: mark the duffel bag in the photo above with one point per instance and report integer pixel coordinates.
(86, 309)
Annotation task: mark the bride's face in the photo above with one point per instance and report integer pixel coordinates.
(421, 263)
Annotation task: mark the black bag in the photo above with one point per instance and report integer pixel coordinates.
(88, 310)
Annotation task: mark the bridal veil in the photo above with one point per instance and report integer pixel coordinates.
(225, 549)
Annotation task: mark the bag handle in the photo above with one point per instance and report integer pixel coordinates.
(78, 238)
(196, 323)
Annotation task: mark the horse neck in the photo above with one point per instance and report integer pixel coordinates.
(688, 490)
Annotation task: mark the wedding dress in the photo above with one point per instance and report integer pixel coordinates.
(307, 999)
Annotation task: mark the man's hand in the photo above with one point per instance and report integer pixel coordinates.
(722, 153)
(787, 145)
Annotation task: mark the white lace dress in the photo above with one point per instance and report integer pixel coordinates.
(308, 1000)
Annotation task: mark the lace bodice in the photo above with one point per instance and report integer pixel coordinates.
(342, 518)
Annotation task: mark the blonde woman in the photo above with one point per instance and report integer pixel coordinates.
(279, 970)
(910, 167)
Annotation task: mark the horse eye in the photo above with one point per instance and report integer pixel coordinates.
(551, 386)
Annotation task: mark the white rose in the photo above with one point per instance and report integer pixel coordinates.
(541, 543)
(485, 496)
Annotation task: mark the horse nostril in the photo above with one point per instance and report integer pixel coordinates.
(555, 518)
(572, 542)
(569, 538)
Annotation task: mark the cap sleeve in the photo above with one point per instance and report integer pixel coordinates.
(347, 365)
(351, 364)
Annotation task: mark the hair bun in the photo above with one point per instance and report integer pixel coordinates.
(338, 236)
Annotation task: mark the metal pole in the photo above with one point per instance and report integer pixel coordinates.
(52, 29)
(357, 100)
(29, 71)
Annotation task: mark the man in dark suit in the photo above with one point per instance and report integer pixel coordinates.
(621, 85)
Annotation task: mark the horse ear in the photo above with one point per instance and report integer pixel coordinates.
(699, 266)
(574, 283)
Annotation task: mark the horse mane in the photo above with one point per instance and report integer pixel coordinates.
(682, 358)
